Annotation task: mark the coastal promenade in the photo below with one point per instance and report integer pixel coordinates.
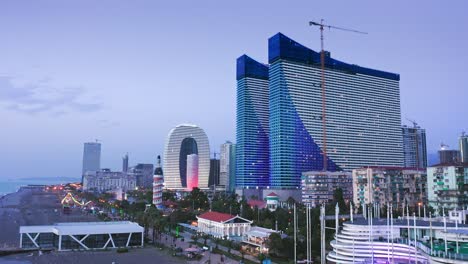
(32, 207)
(37, 207)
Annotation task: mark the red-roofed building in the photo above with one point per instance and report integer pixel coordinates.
(220, 224)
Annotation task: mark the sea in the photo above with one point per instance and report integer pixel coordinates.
(13, 185)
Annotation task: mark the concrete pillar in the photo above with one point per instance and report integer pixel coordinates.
(60, 243)
(142, 238)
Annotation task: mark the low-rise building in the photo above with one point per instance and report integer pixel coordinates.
(82, 235)
(222, 225)
(272, 200)
(318, 187)
(389, 185)
(256, 239)
(143, 174)
(106, 180)
(448, 186)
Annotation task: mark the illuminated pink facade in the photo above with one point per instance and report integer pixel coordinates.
(192, 171)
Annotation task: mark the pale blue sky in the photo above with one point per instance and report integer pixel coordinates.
(126, 72)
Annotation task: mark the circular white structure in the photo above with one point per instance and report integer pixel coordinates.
(184, 140)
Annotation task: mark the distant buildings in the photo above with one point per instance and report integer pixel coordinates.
(125, 163)
(463, 142)
(447, 186)
(158, 184)
(448, 155)
(91, 157)
(227, 167)
(252, 125)
(106, 180)
(414, 147)
(182, 141)
(143, 174)
(214, 173)
(390, 185)
(318, 187)
(279, 109)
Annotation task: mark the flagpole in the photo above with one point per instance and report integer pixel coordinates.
(388, 232)
(430, 229)
(391, 228)
(295, 235)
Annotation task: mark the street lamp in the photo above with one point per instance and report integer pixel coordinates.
(419, 209)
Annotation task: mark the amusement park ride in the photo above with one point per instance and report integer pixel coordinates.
(69, 200)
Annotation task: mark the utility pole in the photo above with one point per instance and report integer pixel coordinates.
(322, 233)
(322, 64)
(295, 235)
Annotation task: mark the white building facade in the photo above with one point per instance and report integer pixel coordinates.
(106, 180)
(446, 186)
(227, 168)
(82, 236)
(182, 141)
(221, 225)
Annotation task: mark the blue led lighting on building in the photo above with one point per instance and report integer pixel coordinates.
(282, 47)
(362, 107)
(252, 150)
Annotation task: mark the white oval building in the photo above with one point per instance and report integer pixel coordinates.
(184, 140)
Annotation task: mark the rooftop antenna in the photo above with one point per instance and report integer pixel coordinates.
(322, 62)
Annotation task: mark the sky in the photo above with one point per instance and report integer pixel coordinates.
(126, 72)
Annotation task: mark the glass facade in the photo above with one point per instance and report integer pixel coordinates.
(362, 108)
(183, 140)
(252, 149)
(91, 157)
(188, 147)
(414, 147)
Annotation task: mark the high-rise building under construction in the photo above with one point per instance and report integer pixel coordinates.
(363, 117)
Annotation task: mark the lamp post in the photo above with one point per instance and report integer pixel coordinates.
(419, 209)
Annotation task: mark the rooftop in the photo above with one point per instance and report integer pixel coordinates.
(404, 222)
(451, 164)
(84, 228)
(216, 216)
(258, 203)
(282, 47)
(248, 67)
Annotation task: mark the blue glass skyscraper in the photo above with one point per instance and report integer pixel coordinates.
(252, 151)
(362, 107)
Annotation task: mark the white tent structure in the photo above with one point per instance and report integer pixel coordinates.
(82, 235)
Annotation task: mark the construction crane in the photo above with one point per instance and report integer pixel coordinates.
(415, 124)
(322, 62)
